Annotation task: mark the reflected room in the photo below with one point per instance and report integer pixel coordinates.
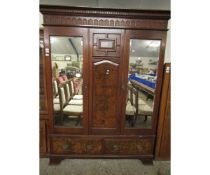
(142, 76)
(67, 81)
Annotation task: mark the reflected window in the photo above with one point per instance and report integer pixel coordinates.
(142, 76)
(67, 80)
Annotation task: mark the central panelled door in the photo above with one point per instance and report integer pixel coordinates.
(106, 74)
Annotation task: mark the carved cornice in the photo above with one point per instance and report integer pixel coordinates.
(58, 20)
(97, 17)
(104, 12)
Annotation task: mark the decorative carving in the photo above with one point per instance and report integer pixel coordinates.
(144, 146)
(42, 136)
(128, 146)
(120, 146)
(105, 61)
(76, 146)
(105, 22)
(95, 22)
(90, 22)
(111, 22)
(92, 12)
(114, 38)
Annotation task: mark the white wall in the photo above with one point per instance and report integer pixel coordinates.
(168, 44)
(40, 20)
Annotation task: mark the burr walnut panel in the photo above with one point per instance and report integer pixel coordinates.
(105, 94)
(76, 146)
(128, 146)
(106, 146)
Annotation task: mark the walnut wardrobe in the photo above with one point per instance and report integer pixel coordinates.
(103, 75)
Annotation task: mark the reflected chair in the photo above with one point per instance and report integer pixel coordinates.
(66, 109)
(68, 95)
(72, 91)
(142, 108)
(145, 110)
(55, 93)
(131, 109)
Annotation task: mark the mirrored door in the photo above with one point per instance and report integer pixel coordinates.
(144, 61)
(142, 76)
(69, 85)
(67, 80)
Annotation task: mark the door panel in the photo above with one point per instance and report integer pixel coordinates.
(106, 76)
(105, 55)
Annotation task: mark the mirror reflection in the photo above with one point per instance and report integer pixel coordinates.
(142, 76)
(67, 81)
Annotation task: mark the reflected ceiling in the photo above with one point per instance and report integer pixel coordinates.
(144, 48)
(63, 45)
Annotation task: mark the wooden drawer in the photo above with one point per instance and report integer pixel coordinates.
(76, 146)
(129, 146)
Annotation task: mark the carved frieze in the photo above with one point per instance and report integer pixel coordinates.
(59, 20)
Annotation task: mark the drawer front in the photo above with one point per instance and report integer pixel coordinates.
(129, 146)
(76, 146)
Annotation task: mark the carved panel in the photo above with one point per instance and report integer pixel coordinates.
(105, 22)
(76, 146)
(106, 44)
(128, 146)
(105, 94)
(116, 146)
(42, 82)
(43, 137)
(144, 146)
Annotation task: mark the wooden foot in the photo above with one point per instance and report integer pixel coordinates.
(147, 161)
(55, 160)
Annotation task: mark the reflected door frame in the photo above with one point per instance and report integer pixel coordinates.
(144, 35)
(66, 32)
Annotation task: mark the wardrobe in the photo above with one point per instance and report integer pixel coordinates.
(103, 72)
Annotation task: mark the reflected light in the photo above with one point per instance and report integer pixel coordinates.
(78, 75)
(52, 39)
(154, 44)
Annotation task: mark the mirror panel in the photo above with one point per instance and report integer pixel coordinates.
(67, 80)
(142, 76)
